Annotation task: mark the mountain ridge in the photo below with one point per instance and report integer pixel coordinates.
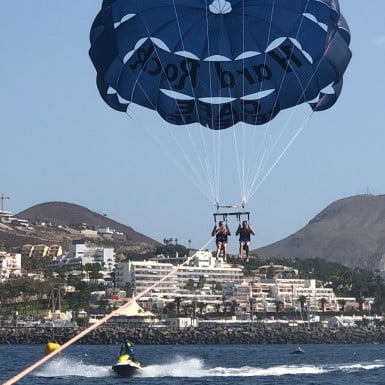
(350, 231)
(67, 214)
(65, 222)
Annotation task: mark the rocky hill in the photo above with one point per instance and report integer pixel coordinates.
(64, 222)
(350, 231)
(69, 214)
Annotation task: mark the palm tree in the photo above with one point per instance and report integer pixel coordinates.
(224, 302)
(178, 301)
(234, 305)
(342, 303)
(302, 299)
(278, 307)
(169, 308)
(201, 282)
(194, 306)
(190, 285)
(251, 303)
(360, 300)
(201, 307)
(323, 302)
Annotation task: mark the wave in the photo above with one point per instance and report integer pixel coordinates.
(195, 367)
(64, 367)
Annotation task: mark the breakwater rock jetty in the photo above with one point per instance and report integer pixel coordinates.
(218, 334)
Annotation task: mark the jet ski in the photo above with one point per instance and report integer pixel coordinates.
(126, 366)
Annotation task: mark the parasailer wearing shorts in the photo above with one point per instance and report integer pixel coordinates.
(244, 231)
(221, 233)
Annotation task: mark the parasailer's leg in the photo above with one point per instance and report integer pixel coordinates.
(224, 248)
(240, 250)
(219, 249)
(246, 247)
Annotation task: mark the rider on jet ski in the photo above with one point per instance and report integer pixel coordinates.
(127, 352)
(127, 348)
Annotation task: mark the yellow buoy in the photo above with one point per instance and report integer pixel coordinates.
(51, 347)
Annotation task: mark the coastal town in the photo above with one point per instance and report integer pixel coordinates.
(195, 288)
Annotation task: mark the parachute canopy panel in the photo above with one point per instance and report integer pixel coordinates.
(218, 62)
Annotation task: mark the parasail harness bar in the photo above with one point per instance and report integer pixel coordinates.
(238, 215)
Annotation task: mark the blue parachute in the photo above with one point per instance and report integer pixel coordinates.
(218, 62)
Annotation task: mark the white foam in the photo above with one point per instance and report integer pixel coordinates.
(178, 367)
(195, 367)
(62, 367)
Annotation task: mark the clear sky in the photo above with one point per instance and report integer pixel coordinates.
(61, 142)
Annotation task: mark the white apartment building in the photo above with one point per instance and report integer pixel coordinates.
(266, 292)
(202, 267)
(10, 264)
(80, 253)
(143, 274)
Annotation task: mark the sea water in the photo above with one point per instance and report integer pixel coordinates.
(202, 364)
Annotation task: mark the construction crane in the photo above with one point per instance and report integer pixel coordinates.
(2, 198)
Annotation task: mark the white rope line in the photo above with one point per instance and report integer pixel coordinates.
(209, 176)
(38, 363)
(198, 182)
(239, 164)
(255, 178)
(291, 116)
(268, 125)
(200, 176)
(258, 165)
(300, 129)
(208, 166)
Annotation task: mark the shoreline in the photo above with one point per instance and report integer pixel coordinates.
(208, 335)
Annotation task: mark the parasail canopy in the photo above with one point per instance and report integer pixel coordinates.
(219, 62)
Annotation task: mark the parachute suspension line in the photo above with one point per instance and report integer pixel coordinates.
(205, 164)
(103, 320)
(239, 159)
(257, 165)
(272, 148)
(217, 146)
(300, 129)
(240, 164)
(198, 182)
(200, 179)
(209, 63)
(243, 192)
(203, 160)
(288, 121)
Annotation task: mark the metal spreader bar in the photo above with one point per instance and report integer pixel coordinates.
(238, 215)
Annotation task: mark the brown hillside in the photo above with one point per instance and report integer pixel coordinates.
(69, 214)
(350, 231)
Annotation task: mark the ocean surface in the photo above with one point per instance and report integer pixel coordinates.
(202, 364)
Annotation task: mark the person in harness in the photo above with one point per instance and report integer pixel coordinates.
(221, 234)
(244, 231)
